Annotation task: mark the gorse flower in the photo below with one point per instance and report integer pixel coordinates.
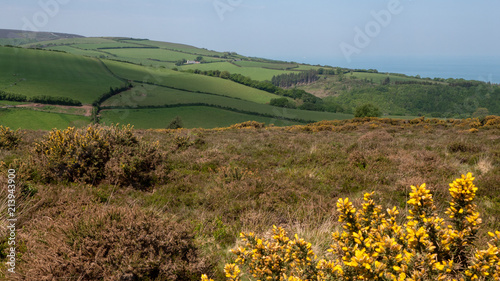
(374, 246)
(93, 153)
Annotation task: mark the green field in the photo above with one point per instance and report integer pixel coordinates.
(378, 77)
(16, 41)
(176, 47)
(72, 41)
(192, 117)
(188, 81)
(35, 72)
(76, 51)
(255, 73)
(149, 95)
(113, 44)
(37, 120)
(280, 66)
(7, 103)
(156, 54)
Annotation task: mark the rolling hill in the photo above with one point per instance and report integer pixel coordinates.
(150, 78)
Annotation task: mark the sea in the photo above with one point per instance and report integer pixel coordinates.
(481, 68)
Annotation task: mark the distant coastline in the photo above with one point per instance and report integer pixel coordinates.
(479, 68)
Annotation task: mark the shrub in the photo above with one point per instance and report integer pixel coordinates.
(9, 138)
(248, 125)
(91, 154)
(73, 154)
(176, 123)
(135, 165)
(113, 243)
(367, 110)
(374, 245)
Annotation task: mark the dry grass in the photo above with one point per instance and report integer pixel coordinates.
(224, 181)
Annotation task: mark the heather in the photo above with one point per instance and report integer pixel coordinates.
(206, 187)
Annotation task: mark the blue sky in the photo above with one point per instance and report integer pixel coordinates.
(314, 31)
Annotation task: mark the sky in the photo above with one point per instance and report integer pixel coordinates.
(314, 31)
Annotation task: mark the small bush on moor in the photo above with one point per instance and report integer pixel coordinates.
(8, 138)
(374, 245)
(96, 153)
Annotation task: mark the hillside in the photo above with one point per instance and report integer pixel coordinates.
(192, 192)
(20, 37)
(151, 68)
(400, 95)
(127, 79)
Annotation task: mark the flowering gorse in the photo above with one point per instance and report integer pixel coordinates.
(9, 138)
(374, 245)
(96, 153)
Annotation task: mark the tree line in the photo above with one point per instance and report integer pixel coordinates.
(39, 99)
(288, 80)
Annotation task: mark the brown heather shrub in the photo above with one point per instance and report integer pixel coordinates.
(374, 139)
(71, 237)
(139, 166)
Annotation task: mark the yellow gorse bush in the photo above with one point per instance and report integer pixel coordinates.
(374, 245)
(8, 137)
(96, 153)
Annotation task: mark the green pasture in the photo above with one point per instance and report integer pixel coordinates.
(255, 73)
(156, 54)
(35, 72)
(177, 47)
(279, 66)
(192, 117)
(95, 46)
(150, 95)
(305, 67)
(7, 103)
(73, 41)
(23, 118)
(378, 77)
(16, 41)
(189, 81)
(76, 51)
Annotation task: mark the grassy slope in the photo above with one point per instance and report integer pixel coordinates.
(76, 51)
(155, 54)
(255, 73)
(70, 41)
(282, 66)
(177, 47)
(36, 120)
(35, 72)
(192, 117)
(188, 81)
(148, 95)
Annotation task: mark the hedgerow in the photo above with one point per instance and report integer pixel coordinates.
(375, 245)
